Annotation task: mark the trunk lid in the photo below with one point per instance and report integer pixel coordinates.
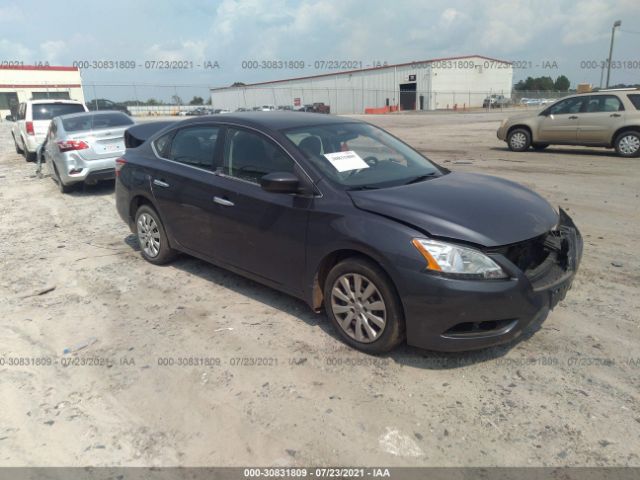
(103, 143)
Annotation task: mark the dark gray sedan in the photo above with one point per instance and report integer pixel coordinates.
(343, 215)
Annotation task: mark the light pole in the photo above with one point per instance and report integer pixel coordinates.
(617, 23)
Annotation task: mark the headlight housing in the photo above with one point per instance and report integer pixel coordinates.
(458, 260)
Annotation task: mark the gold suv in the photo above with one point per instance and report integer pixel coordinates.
(608, 118)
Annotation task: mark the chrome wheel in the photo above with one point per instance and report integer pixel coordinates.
(358, 307)
(518, 140)
(148, 235)
(629, 144)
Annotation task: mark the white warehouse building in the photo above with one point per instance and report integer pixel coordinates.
(443, 83)
(24, 82)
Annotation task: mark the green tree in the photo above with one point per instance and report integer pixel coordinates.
(561, 84)
(197, 101)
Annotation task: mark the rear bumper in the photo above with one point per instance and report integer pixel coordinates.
(73, 169)
(446, 314)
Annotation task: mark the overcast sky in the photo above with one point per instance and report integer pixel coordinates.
(542, 32)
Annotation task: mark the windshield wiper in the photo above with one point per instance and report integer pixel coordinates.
(363, 187)
(422, 177)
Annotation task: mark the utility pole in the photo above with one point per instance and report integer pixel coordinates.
(617, 23)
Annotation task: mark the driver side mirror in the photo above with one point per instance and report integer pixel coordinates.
(280, 182)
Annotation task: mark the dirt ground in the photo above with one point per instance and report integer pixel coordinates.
(273, 385)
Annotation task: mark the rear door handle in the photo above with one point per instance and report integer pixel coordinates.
(615, 115)
(223, 201)
(160, 183)
(573, 117)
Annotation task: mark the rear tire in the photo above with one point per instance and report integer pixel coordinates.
(18, 149)
(361, 302)
(627, 144)
(519, 140)
(61, 186)
(154, 245)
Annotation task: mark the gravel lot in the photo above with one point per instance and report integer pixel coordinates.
(569, 395)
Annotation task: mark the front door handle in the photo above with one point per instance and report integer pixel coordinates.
(615, 115)
(573, 117)
(223, 201)
(160, 183)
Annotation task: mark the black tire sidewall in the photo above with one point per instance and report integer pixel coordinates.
(513, 132)
(394, 331)
(617, 145)
(166, 253)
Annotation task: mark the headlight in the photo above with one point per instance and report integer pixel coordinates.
(457, 260)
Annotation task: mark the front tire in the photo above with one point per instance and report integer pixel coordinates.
(363, 306)
(154, 245)
(627, 144)
(519, 140)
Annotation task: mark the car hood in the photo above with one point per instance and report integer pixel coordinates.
(480, 209)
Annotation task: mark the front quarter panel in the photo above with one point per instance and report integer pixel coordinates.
(386, 241)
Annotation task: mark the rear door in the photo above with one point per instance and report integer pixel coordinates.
(560, 121)
(184, 186)
(602, 116)
(261, 232)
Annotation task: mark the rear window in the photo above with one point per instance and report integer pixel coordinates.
(96, 121)
(46, 111)
(635, 99)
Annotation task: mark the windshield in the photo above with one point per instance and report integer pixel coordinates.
(95, 121)
(358, 155)
(46, 111)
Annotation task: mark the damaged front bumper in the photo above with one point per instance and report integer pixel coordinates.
(448, 314)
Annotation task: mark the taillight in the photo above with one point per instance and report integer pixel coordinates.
(29, 127)
(120, 162)
(68, 145)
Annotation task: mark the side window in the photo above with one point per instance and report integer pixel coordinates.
(194, 146)
(162, 144)
(604, 103)
(570, 105)
(250, 156)
(612, 103)
(21, 111)
(635, 99)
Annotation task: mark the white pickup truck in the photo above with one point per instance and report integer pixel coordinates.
(33, 119)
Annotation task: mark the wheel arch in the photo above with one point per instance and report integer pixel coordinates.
(621, 130)
(521, 126)
(333, 258)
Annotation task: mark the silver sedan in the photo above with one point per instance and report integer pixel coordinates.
(83, 147)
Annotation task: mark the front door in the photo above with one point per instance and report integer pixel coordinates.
(560, 122)
(265, 232)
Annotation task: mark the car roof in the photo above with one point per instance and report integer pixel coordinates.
(52, 100)
(274, 120)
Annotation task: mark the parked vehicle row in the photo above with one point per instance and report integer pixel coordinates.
(334, 211)
(609, 119)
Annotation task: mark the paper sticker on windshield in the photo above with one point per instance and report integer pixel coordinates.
(345, 161)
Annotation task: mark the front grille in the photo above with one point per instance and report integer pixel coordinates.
(527, 255)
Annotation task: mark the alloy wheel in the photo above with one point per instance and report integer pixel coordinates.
(148, 235)
(358, 307)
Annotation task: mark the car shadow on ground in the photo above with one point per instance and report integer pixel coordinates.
(102, 188)
(565, 151)
(402, 355)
